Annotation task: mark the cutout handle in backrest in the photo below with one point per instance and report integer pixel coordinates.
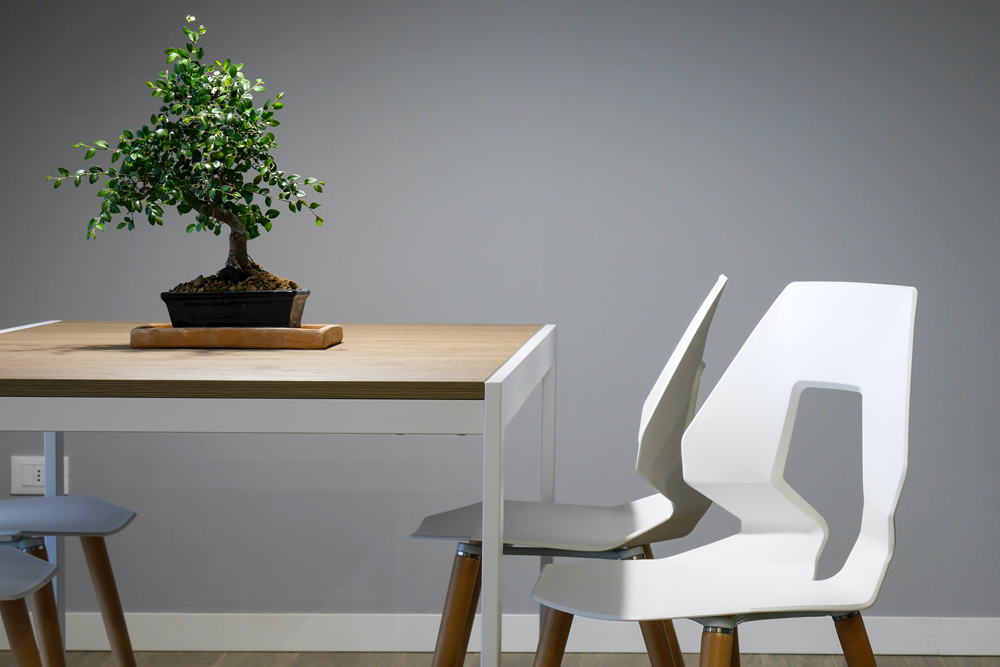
(835, 335)
(670, 405)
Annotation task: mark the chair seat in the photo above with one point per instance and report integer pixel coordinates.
(742, 574)
(556, 525)
(21, 574)
(83, 516)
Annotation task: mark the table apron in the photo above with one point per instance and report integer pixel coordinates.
(243, 415)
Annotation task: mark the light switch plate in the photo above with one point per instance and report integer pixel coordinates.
(27, 475)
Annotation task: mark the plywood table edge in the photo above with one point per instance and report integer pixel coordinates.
(321, 390)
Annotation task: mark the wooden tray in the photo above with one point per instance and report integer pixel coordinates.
(309, 337)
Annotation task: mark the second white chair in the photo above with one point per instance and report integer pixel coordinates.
(846, 336)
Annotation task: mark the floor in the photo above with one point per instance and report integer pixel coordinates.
(221, 659)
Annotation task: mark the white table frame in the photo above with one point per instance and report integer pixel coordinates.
(505, 392)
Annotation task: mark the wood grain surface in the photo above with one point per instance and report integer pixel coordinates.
(375, 361)
(306, 337)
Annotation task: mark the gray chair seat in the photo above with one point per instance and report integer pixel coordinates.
(558, 525)
(83, 516)
(21, 574)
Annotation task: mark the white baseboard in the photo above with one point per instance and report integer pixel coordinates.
(417, 632)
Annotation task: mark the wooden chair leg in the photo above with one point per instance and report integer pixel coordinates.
(734, 659)
(463, 647)
(454, 618)
(96, 552)
(675, 646)
(716, 647)
(17, 624)
(552, 639)
(662, 653)
(654, 634)
(43, 607)
(854, 640)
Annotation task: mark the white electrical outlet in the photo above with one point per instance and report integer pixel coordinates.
(27, 475)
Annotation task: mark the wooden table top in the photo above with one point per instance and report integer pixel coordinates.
(375, 361)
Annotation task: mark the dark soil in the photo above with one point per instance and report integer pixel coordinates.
(237, 280)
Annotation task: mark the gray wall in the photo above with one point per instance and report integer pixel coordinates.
(591, 165)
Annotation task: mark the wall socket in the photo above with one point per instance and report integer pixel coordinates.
(27, 475)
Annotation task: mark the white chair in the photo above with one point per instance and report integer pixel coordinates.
(847, 336)
(20, 576)
(621, 532)
(27, 520)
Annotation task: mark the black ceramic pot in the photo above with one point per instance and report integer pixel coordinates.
(273, 308)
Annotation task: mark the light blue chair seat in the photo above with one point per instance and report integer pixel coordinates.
(62, 516)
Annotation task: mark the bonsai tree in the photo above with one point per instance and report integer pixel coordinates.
(206, 151)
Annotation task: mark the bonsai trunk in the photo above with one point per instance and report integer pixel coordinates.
(238, 258)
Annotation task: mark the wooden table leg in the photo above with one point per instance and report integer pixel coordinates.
(46, 613)
(17, 624)
(96, 552)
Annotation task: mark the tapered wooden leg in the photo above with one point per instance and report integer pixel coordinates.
(463, 647)
(734, 659)
(654, 634)
(19, 634)
(43, 607)
(96, 552)
(716, 648)
(656, 637)
(552, 639)
(854, 640)
(464, 573)
(675, 646)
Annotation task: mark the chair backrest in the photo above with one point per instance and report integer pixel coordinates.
(668, 411)
(849, 336)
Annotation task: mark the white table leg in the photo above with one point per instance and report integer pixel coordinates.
(54, 545)
(548, 464)
(493, 433)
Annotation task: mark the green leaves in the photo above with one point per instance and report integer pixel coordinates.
(205, 151)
